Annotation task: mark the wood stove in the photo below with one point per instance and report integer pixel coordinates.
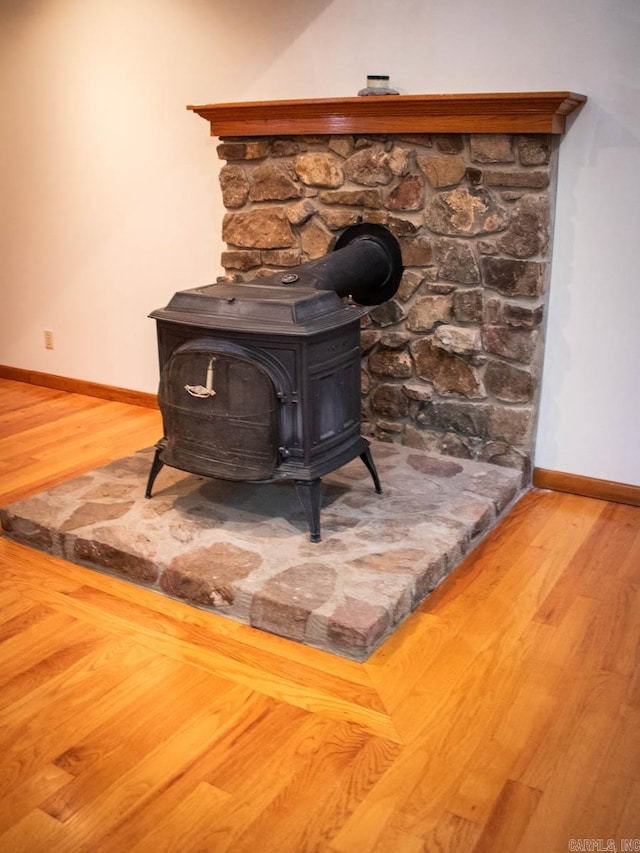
(260, 381)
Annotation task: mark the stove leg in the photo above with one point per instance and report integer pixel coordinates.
(156, 467)
(309, 494)
(367, 458)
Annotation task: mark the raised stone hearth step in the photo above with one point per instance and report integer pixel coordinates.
(243, 551)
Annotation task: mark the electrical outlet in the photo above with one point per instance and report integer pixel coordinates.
(48, 339)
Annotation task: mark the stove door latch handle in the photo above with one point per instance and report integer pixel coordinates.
(199, 391)
(203, 390)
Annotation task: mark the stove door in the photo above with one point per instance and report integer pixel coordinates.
(219, 409)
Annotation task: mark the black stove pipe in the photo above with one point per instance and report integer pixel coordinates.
(365, 265)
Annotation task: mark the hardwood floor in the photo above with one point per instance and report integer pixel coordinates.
(504, 715)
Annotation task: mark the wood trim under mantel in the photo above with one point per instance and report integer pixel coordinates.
(497, 112)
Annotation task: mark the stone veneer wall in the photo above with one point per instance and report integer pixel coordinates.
(452, 363)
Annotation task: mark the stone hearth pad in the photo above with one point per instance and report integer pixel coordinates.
(242, 550)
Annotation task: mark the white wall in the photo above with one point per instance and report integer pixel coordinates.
(111, 200)
(108, 185)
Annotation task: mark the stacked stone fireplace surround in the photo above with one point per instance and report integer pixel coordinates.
(452, 364)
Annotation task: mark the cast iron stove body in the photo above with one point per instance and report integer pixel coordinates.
(260, 381)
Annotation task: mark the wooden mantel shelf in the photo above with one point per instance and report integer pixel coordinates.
(498, 112)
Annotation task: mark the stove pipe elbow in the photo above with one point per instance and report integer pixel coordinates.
(365, 266)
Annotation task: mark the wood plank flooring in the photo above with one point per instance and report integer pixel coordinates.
(504, 715)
